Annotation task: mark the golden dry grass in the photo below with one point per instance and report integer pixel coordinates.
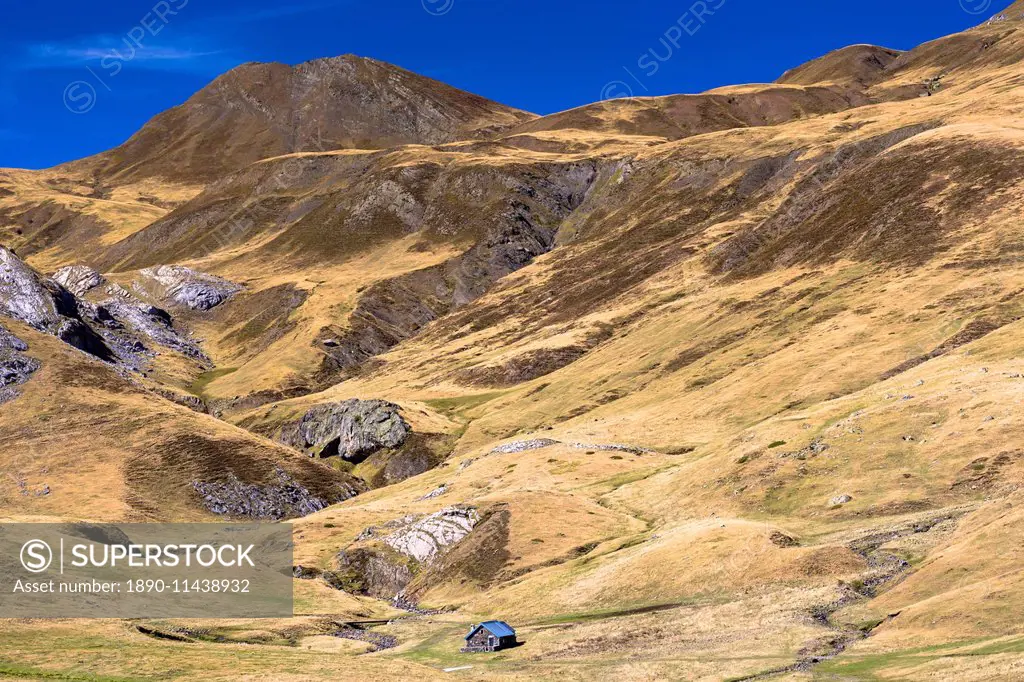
(728, 380)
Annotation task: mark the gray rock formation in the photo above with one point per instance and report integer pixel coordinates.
(353, 429)
(132, 315)
(10, 342)
(611, 447)
(284, 499)
(840, 500)
(523, 446)
(189, 288)
(119, 330)
(26, 296)
(78, 279)
(45, 305)
(15, 368)
(425, 538)
(436, 492)
(399, 549)
(377, 640)
(365, 571)
(538, 443)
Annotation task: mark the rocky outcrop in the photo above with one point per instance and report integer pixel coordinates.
(45, 305)
(480, 558)
(384, 560)
(538, 443)
(353, 429)
(189, 288)
(15, 368)
(839, 501)
(511, 232)
(126, 320)
(118, 330)
(610, 447)
(130, 326)
(425, 538)
(523, 446)
(284, 499)
(370, 572)
(78, 279)
(26, 296)
(10, 342)
(377, 640)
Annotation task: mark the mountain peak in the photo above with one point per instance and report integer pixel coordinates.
(259, 110)
(857, 63)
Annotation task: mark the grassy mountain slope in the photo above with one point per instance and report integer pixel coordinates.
(769, 336)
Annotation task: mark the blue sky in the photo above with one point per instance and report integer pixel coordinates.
(77, 78)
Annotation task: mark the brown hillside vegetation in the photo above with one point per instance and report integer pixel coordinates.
(713, 387)
(257, 111)
(860, 64)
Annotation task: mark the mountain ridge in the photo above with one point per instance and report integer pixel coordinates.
(263, 109)
(718, 386)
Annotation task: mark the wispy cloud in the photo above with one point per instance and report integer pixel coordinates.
(188, 52)
(97, 48)
(62, 54)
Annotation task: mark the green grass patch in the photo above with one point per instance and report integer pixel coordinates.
(868, 668)
(23, 672)
(616, 482)
(604, 614)
(462, 404)
(203, 381)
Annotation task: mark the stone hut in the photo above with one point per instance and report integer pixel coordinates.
(491, 635)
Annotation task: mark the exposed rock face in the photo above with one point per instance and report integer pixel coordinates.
(186, 287)
(538, 443)
(610, 447)
(425, 538)
(780, 539)
(27, 297)
(479, 558)
(523, 446)
(840, 500)
(15, 368)
(149, 321)
(45, 305)
(364, 571)
(353, 429)
(10, 342)
(397, 550)
(510, 233)
(284, 499)
(78, 279)
(116, 330)
(436, 492)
